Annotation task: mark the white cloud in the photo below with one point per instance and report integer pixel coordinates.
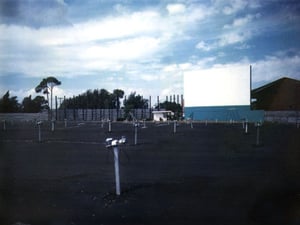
(234, 6)
(242, 21)
(176, 8)
(276, 66)
(203, 46)
(101, 44)
(149, 47)
(233, 38)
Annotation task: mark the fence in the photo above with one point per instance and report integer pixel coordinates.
(282, 116)
(23, 116)
(100, 114)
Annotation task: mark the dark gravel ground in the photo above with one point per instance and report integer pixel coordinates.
(210, 175)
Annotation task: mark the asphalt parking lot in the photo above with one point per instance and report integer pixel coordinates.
(214, 174)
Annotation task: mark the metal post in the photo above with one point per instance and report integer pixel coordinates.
(39, 128)
(117, 173)
(52, 126)
(4, 124)
(174, 128)
(246, 127)
(257, 134)
(65, 123)
(109, 126)
(56, 108)
(192, 126)
(135, 134)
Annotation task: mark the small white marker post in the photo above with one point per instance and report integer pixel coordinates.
(39, 128)
(257, 133)
(174, 127)
(246, 127)
(65, 123)
(192, 126)
(144, 124)
(109, 126)
(205, 122)
(110, 143)
(52, 125)
(135, 133)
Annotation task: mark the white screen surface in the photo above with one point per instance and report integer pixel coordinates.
(222, 86)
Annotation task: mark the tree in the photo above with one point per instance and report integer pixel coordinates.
(9, 104)
(134, 102)
(33, 105)
(47, 85)
(93, 99)
(117, 93)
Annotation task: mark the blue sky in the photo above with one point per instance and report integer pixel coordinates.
(142, 45)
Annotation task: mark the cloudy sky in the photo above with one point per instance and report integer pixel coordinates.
(143, 45)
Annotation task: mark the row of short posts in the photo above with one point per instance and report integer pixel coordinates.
(109, 125)
(39, 123)
(257, 125)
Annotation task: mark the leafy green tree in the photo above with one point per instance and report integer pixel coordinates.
(93, 99)
(9, 104)
(118, 94)
(46, 86)
(34, 105)
(134, 102)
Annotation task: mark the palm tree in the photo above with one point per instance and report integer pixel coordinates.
(46, 85)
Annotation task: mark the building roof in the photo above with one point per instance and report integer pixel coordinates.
(282, 94)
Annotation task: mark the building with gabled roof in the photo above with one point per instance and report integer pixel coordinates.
(280, 95)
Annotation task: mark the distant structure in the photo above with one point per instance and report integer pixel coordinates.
(220, 94)
(162, 115)
(280, 95)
